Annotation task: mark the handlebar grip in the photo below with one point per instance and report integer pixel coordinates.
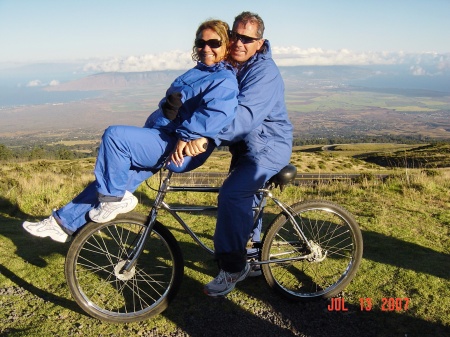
(205, 145)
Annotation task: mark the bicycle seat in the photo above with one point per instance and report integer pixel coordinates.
(284, 177)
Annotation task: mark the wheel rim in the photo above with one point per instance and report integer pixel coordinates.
(323, 268)
(98, 265)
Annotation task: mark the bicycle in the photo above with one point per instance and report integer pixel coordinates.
(130, 268)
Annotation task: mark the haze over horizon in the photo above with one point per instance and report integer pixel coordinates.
(78, 38)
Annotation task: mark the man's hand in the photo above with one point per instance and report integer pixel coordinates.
(171, 105)
(191, 149)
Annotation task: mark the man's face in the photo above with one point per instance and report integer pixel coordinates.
(239, 51)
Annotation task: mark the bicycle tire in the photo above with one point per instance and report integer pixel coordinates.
(337, 244)
(99, 251)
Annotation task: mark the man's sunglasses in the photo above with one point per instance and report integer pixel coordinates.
(212, 43)
(243, 38)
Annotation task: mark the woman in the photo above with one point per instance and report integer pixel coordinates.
(129, 155)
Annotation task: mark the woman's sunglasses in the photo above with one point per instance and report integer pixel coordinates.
(212, 43)
(243, 38)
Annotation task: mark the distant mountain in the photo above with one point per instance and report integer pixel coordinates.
(335, 75)
(112, 81)
(371, 77)
(376, 76)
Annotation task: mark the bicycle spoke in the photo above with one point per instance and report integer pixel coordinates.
(315, 268)
(99, 283)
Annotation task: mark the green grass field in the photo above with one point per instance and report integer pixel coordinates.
(405, 222)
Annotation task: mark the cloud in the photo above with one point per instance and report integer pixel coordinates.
(39, 83)
(34, 83)
(175, 60)
(418, 71)
(422, 64)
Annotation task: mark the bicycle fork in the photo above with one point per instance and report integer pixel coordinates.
(136, 252)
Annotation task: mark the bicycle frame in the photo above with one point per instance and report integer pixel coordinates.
(159, 203)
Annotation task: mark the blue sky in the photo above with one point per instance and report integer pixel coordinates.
(146, 35)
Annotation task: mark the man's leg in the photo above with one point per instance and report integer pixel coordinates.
(235, 214)
(253, 251)
(234, 224)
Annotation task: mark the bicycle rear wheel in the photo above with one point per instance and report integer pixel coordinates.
(96, 256)
(303, 273)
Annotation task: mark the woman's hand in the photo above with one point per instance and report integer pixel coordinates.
(191, 149)
(196, 146)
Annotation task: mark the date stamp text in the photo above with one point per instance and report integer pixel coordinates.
(367, 304)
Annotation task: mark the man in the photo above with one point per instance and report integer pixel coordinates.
(260, 140)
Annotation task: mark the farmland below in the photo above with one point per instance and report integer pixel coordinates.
(325, 104)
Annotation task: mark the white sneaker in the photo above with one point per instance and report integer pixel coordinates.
(107, 211)
(47, 227)
(225, 282)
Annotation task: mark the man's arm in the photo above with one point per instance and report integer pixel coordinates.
(259, 94)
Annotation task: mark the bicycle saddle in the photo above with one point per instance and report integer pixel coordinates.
(284, 177)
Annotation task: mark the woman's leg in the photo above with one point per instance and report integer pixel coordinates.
(74, 214)
(113, 155)
(127, 156)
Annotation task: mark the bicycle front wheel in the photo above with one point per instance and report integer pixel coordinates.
(321, 269)
(96, 257)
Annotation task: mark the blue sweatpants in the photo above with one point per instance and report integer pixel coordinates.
(235, 213)
(128, 155)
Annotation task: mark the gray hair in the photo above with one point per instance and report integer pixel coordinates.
(246, 17)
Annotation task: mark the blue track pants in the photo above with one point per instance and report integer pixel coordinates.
(235, 214)
(128, 155)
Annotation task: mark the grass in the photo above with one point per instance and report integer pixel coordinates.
(405, 222)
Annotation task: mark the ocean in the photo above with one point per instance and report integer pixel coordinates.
(10, 97)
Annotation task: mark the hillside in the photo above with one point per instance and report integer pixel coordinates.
(405, 222)
(427, 156)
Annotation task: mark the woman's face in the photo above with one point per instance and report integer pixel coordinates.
(210, 48)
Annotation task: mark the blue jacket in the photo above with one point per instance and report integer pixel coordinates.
(209, 96)
(261, 129)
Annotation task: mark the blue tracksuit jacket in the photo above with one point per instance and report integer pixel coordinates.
(261, 123)
(209, 96)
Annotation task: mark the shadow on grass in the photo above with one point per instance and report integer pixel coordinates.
(388, 250)
(45, 295)
(32, 250)
(195, 314)
(28, 247)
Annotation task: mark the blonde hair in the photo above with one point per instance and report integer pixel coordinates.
(218, 26)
